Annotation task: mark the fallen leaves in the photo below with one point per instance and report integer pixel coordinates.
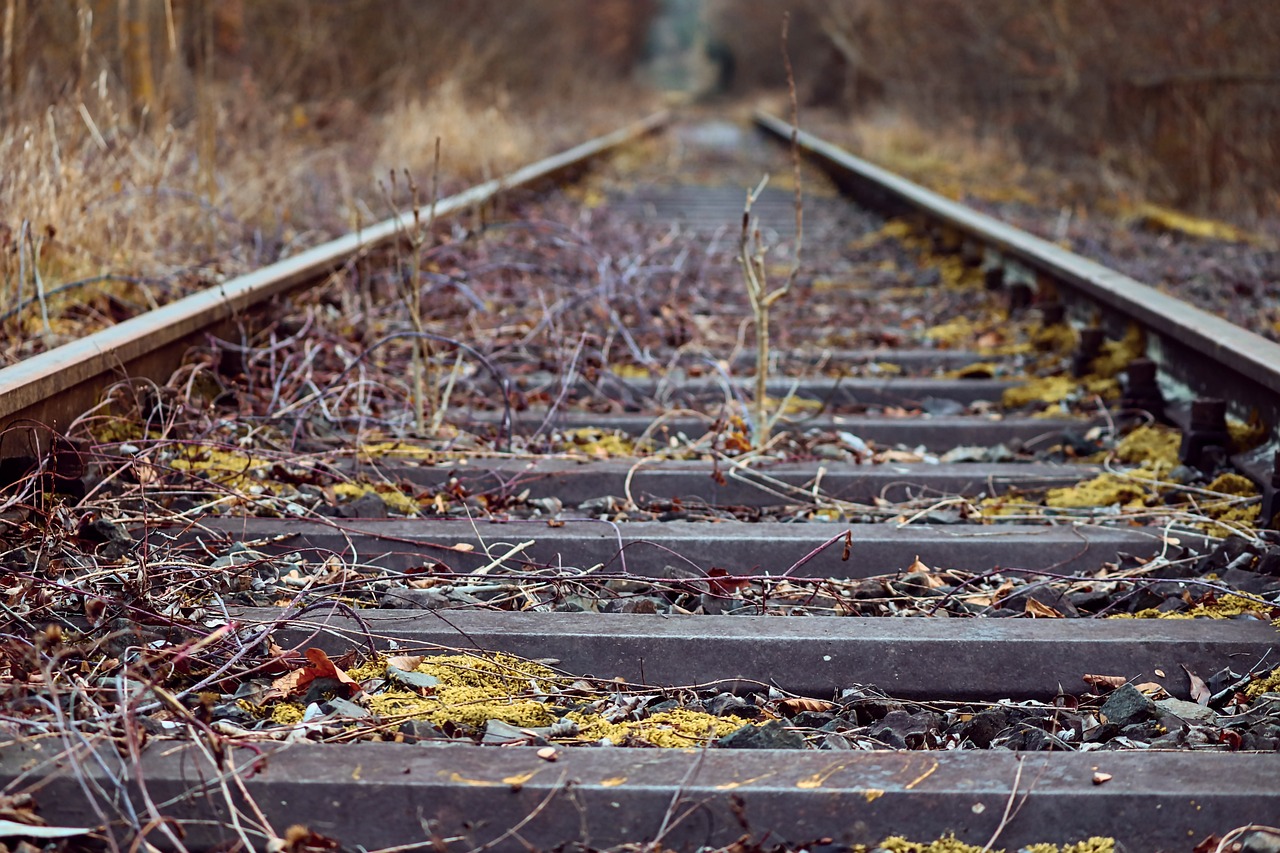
(318, 667)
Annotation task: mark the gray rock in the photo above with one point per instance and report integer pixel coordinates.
(726, 704)
(420, 730)
(772, 735)
(1127, 706)
(1260, 841)
(984, 726)
(412, 679)
(1189, 711)
(498, 732)
(340, 707)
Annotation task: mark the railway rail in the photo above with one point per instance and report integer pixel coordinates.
(889, 619)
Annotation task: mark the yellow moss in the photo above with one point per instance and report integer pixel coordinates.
(950, 844)
(598, 443)
(978, 370)
(1233, 484)
(1107, 389)
(1231, 520)
(1158, 218)
(1006, 505)
(1044, 389)
(286, 713)
(630, 371)
(1059, 338)
(954, 333)
(1116, 355)
(112, 430)
(396, 450)
(233, 469)
(672, 729)
(1246, 435)
(1103, 490)
(471, 690)
(1269, 683)
(396, 500)
(1154, 447)
(1223, 608)
(471, 706)
(1096, 844)
(794, 405)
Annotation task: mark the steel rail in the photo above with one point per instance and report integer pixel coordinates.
(1204, 353)
(56, 386)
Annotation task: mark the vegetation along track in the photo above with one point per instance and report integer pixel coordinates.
(502, 475)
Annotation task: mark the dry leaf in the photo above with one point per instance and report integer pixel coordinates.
(1039, 609)
(1150, 688)
(897, 456)
(408, 663)
(1112, 681)
(722, 583)
(1200, 693)
(795, 706)
(318, 666)
(548, 753)
(464, 547)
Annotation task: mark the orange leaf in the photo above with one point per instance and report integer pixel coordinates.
(1112, 681)
(318, 666)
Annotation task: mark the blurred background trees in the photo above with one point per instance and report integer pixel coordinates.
(1182, 97)
(1178, 97)
(366, 50)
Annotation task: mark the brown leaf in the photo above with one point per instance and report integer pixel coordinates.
(1040, 609)
(722, 583)
(1200, 693)
(318, 666)
(407, 663)
(795, 706)
(918, 565)
(1111, 681)
(1150, 688)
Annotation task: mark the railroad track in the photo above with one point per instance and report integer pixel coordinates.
(601, 536)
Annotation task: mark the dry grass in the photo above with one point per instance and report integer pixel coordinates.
(133, 192)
